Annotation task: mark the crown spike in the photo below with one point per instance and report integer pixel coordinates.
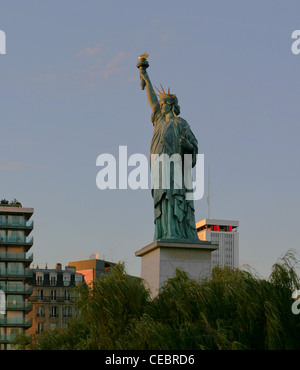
(163, 92)
(157, 89)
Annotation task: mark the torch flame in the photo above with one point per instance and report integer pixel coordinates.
(143, 56)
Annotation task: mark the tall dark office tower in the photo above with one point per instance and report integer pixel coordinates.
(15, 227)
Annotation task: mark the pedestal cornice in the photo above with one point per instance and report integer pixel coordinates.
(176, 243)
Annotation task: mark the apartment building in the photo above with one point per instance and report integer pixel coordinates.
(225, 234)
(52, 298)
(15, 242)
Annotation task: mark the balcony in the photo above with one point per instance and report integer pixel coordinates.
(53, 316)
(17, 289)
(20, 257)
(16, 273)
(24, 226)
(23, 306)
(21, 240)
(18, 322)
(51, 299)
(5, 224)
(7, 338)
(67, 316)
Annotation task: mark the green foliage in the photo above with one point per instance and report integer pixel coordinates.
(13, 203)
(233, 309)
(62, 339)
(107, 310)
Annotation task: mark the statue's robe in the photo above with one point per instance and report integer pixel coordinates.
(174, 215)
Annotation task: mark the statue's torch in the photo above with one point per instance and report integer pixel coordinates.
(143, 65)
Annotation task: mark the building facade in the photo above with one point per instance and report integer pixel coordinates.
(15, 242)
(92, 268)
(52, 298)
(225, 234)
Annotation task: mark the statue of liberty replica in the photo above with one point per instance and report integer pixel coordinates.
(174, 213)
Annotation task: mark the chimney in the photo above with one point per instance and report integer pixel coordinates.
(58, 267)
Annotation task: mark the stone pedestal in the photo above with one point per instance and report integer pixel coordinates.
(161, 258)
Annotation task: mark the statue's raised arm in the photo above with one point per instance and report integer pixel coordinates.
(152, 98)
(145, 80)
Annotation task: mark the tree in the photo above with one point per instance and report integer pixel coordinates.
(233, 309)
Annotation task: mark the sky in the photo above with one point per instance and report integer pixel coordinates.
(70, 91)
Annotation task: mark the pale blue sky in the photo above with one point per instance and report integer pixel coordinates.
(70, 91)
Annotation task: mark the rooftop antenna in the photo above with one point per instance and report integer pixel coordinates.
(208, 194)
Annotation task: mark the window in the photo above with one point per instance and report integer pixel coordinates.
(16, 220)
(67, 279)
(67, 311)
(40, 327)
(2, 236)
(41, 311)
(15, 266)
(13, 220)
(12, 333)
(53, 279)
(2, 220)
(15, 301)
(2, 268)
(53, 295)
(40, 294)
(2, 303)
(15, 286)
(78, 279)
(15, 236)
(39, 278)
(54, 311)
(67, 295)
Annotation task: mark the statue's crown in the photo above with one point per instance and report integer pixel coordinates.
(163, 93)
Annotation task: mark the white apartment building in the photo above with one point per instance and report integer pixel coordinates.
(222, 232)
